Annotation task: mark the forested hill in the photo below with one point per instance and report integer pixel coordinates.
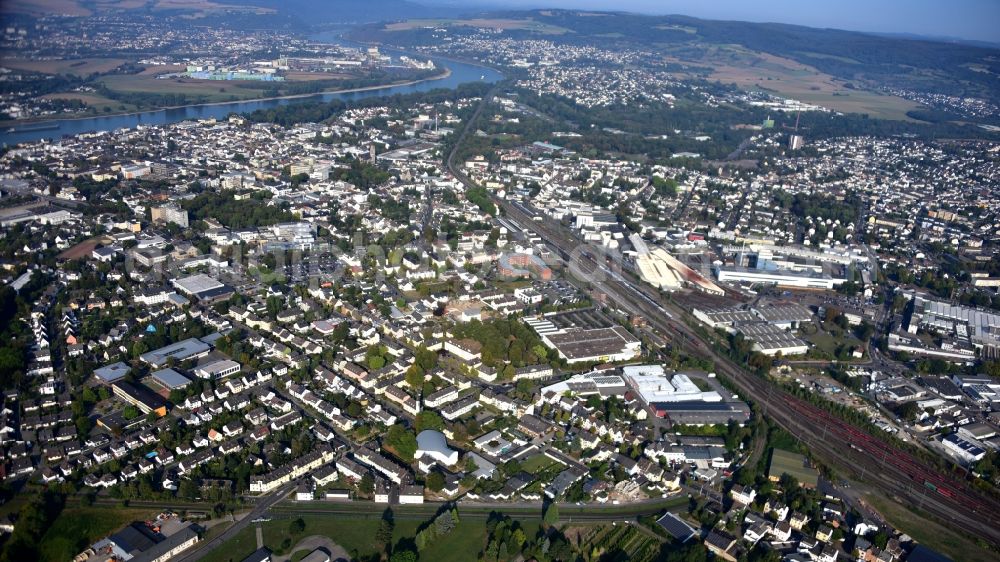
(320, 12)
(921, 65)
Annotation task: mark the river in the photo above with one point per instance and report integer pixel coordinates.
(54, 129)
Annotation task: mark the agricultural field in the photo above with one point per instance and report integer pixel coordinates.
(208, 91)
(155, 69)
(121, 4)
(44, 7)
(301, 76)
(75, 67)
(211, 90)
(857, 101)
(79, 8)
(732, 64)
(677, 27)
(617, 542)
(206, 5)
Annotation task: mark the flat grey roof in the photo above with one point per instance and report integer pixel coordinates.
(112, 372)
(592, 343)
(181, 350)
(211, 338)
(171, 378)
(196, 284)
(785, 313)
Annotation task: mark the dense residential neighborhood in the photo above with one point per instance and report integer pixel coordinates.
(598, 306)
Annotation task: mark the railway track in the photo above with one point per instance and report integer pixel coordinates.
(839, 443)
(954, 504)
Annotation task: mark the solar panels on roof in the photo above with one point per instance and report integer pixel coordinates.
(676, 527)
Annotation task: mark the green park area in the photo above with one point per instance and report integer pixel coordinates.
(537, 463)
(357, 534)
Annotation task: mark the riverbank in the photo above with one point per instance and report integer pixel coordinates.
(449, 75)
(27, 123)
(410, 51)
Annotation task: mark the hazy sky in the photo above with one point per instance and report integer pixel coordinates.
(968, 19)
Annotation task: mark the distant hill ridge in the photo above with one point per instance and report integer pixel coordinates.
(920, 64)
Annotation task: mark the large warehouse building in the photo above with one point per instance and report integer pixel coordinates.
(677, 398)
(203, 288)
(598, 345)
(780, 277)
(651, 383)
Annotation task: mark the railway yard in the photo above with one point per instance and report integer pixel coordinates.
(844, 446)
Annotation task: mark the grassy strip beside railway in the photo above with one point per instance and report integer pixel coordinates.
(367, 510)
(353, 524)
(926, 531)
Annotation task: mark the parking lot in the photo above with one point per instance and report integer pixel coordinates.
(587, 318)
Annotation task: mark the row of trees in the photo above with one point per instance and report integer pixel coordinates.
(438, 527)
(15, 334)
